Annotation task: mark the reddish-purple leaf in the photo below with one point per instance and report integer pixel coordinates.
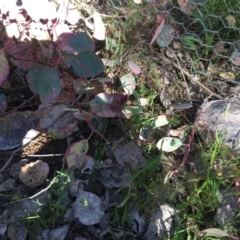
(108, 105)
(134, 67)
(23, 54)
(158, 30)
(118, 100)
(100, 105)
(4, 67)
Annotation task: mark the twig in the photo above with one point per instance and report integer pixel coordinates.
(33, 196)
(46, 155)
(192, 78)
(191, 137)
(16, 151)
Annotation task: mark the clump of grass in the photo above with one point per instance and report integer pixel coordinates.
(53, 212)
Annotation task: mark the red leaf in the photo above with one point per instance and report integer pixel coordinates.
(158, 30)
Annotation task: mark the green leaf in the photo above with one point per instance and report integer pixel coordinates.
(34, 77)
(169, 144)
(87, 64)
(165, 37)
(81, 42)
(49, 86)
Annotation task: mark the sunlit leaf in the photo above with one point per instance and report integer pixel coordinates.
(161, 121)
(128, 83)
(138, 1)
(110, 63)
(214, 232)
(99, 28)
(169, 144)
(40, 9)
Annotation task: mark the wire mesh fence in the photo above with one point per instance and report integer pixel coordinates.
(209, 32)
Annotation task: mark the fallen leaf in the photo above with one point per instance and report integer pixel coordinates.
(158, 30)
(4, 67)
(99, 28)
(88, 208)
(134, 67)
(169, 144)
(231, 20)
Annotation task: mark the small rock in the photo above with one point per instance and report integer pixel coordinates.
(161, 224)
(228, 208)
(34, 174)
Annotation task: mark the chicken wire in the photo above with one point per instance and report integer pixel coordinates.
(209, 32)
(213, 26)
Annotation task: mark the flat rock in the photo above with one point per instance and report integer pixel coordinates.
(162, 223)
(222, 118)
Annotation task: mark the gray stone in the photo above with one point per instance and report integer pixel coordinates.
(227, 209)
(162, 223)
(222, 118)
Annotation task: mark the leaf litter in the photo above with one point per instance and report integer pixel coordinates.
(47, 49)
